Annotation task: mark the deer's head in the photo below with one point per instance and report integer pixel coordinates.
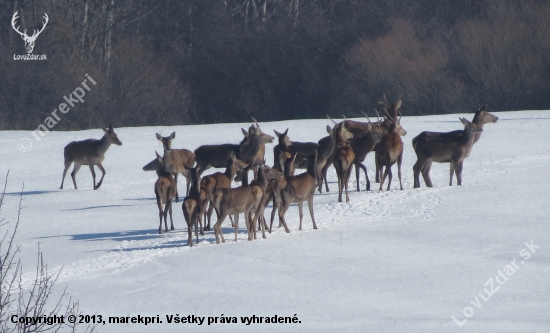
(111, 135)
(483, 117)
(29, 40)
(166, 140)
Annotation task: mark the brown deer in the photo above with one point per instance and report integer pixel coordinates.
(192, 205)
(165, 191)
(233, 201)
(388, 151)
(215, 181)
(305, 148)
(365, 138)
(277, 185)
(177, 161)
(252, 150)
(298, 189)
(325, 144)
(343, 161)
(392, 110)
(272, 176)
(451, 147)
(89, 152)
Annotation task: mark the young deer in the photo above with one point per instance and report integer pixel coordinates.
(305, 148)
(272, 176)
(165, 191)
(343, 160)
(388, 151)
(89, 152)
(451, 147)
(215, 181)
(235, 201)
(191, 206)
(176, 161)
(298, 189)
(323, 166)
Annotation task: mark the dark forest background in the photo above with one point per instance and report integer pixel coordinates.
(203, 61)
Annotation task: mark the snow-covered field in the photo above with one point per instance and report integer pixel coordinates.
(397, 261)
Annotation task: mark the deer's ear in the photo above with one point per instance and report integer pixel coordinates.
(245, 133)
(172, 136)
(465, 121)
(159, 137)
(286, 132)
(277, 133)
(329, 130)
(398, 104)
(106, 130)
(483, 107)
(158, 156)
(111, 127)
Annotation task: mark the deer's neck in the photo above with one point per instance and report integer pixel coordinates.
(479, 123)
(104, 144)
(230, 171)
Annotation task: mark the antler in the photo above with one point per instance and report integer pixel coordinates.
(35, 34)
(14, 18)
(331, 119)
(255, 121)
(344, 116)
(377, 116)
(366, 116)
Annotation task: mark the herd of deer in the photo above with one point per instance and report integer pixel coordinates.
(346, 145)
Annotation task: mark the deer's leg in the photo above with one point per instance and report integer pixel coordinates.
(347, 176)
(362, 166)
(237, 224)
(310, 206)
(378, 168)
(301, 212)
(459, 172)
(273, 211)
(339, 174)
(93, 174)
(451, 172)
(159, 204)
(170, 211)
(196, 218)
(100, 167)
(232, 221)
(416, 174)
(73, 174)
(218, 226)
(382, 179)
(282, 210)
(399, 161)
(165, 213)
(209, 213)
(176, 179)
(357, 176)
(67, 166)
(426, 173)
(390, 175)
(190, 231)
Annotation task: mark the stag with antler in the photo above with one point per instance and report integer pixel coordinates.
(29, 40)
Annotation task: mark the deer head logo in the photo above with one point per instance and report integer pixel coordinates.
(29, 40)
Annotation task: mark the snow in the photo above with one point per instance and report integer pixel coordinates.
(397, 261)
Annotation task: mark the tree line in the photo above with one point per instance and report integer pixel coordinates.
(168, 62)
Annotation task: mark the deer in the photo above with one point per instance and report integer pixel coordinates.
(325, 162)
(250, 147)
(388, 151)
(177, 161)
(363, 142)
(165, 191)
(392, 111)
(29, 40)
(300, 188)
(89, 152)
(233, 201)
(453, 147)
(343, 161)
(252, 150)
(211, 183)
(272, 175)
(305, 148)
(192, 206)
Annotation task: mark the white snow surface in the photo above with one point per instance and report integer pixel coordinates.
(387, 261)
